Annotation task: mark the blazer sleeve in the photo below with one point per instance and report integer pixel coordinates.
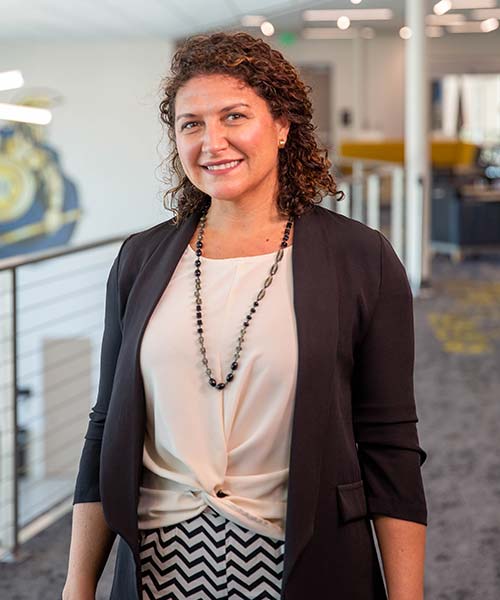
(87, 482)
(384, 414)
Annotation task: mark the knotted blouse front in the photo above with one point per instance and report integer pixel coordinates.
(228, 449)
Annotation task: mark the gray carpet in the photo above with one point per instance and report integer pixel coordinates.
(458, 392)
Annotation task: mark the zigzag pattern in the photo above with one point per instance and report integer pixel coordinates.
(210, 558)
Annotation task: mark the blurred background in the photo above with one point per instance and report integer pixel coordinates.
(406, 97)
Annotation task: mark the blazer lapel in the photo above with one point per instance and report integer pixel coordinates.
(316, 312)
(126, 420)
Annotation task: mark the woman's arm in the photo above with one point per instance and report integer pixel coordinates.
(402, 546)
(91, 543)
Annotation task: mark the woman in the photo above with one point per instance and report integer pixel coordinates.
(255, 413)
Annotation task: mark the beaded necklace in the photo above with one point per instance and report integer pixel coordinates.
(251, 312)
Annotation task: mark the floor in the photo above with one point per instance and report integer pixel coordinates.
(457, 381)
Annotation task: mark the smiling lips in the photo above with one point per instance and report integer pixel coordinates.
(222, 167)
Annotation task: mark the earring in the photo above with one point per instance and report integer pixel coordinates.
(282, 143)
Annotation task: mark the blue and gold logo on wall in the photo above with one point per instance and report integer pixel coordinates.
(39, 205)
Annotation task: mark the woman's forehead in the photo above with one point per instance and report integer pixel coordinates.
(214, 91)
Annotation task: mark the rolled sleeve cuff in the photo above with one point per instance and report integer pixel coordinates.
(398, 509)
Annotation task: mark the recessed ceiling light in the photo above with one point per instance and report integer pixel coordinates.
(25, 114)
(442, 7)
(10, 80)
(355, 14)
(267, 28)
(356, 1)
(405, 33)
(343, 23)
(252, 20)
(489, 25)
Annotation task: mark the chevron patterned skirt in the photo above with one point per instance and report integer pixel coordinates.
(210, 557)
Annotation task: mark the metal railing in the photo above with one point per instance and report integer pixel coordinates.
(51, 321)
(363, 202)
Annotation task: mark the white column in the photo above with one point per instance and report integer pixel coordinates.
(416, 147)
(357, 85)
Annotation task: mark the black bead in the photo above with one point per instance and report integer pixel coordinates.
(198, 315)
(249, 317)
(199, 244)
(198, 252)
(212, 382)
(256, 303)
(284, 244)
(198, 307)
(197, 272)
(199, 322)
(288, 225)
(199, 330)
(229, 377)
(286, 236)
(234, 366)
(197, 262)
(246, 324)
(220, 386)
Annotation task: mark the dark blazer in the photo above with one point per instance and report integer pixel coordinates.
(354, 449)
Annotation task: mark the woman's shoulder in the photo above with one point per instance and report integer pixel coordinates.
(140, 245)
(347, 234)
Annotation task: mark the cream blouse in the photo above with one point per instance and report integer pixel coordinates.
(201, 441)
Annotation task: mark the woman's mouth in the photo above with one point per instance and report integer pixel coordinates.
(222, 167)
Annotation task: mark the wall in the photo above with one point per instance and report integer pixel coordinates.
(107, 129)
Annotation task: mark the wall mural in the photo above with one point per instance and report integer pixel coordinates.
(39, 205)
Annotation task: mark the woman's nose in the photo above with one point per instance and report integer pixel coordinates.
(214, 139)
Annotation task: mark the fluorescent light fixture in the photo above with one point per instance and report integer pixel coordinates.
(489, 25)
(355, 14)
(327, 33)
(484, 13)
(405, 33)
(471, 4)
(445, 19)
(25, 114)
(368, 33)
(343, 23)
(442, 7)
(434, 31)
(467, 27)
(10, 80)
(267, 28)
(356, 1)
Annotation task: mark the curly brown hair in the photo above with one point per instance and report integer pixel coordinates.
(303, 168)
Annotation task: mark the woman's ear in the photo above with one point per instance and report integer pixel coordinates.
(282, 128)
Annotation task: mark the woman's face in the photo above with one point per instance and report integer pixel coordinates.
(226, 138)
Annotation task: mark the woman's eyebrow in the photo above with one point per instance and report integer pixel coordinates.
(222, 110)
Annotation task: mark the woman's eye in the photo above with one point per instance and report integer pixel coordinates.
(237, 115)
(188, 125)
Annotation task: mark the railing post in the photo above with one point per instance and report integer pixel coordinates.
(397, 212)
(9, 492)
(357, 190)
(373, 201)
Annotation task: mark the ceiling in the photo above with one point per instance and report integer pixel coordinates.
(171, 19)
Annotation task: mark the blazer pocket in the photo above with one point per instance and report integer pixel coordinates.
(351, 501)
